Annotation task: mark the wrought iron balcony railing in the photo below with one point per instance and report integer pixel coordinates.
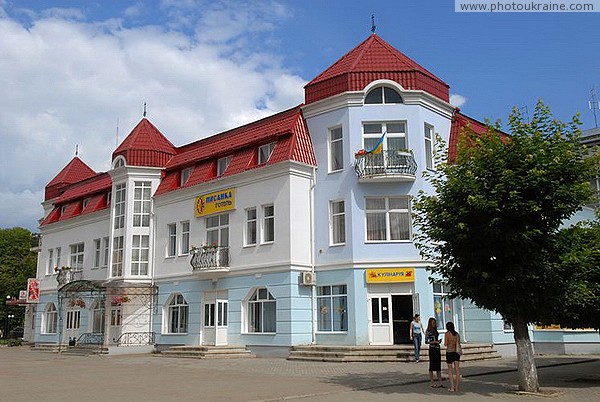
(210, 258)
(390, 165)
(66, 275)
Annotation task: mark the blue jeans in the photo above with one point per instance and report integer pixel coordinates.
(417, 342)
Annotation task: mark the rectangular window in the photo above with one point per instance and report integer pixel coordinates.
(443, 307)
(57, 256)
(332, 305)
(117, 256)
(77, 253)
(336, 149)
(268, 232)
(185, 175)
(105, 246)
(97, 253)
(428, 146)
(394, 139)
(185, 237)
(387, 218)
(139, 254)
(217, 230)
(337, 219)
(222, 165)
(85, 203)
(251, 226)
(120, 197)
(209, 315)
(73, 319)
(50, 265)
(172, 240)
(141, 204)
(264, 152)
(380, 311)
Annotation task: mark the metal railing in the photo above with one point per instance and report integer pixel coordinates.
(386, 163)
(208, 258)
(135, 339)
(90, 338)
(65, 276)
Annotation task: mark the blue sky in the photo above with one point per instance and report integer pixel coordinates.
(74, 70)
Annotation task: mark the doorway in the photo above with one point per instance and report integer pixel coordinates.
(402, 310)
(215, 317)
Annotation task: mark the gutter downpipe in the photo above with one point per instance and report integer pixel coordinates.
(313, 318)
(462, 319)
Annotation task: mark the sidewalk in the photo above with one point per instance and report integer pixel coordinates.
(27, 375)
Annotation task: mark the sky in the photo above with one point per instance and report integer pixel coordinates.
(74, 75)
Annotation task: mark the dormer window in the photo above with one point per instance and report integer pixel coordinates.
(85, 203)
(222, 165)
(63, 209)
(108, 197)
(382, 95)
(264, 152)
(185, 175)
(119, 162)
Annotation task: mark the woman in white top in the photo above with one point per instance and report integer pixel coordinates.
(416, 335)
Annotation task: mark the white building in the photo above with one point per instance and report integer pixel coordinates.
(282, 232)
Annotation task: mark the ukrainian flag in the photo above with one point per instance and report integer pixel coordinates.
(378, 147)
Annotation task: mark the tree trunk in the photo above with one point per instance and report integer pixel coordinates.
(527, 372)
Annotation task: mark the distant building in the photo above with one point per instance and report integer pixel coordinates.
(293, 229)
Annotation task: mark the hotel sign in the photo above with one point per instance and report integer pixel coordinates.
(390, 275)
(212, 203)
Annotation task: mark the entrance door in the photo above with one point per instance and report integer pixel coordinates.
(379, 319)
(402, 308)
(72, 322)
(115, 323)
(215, 319)
(98, 319)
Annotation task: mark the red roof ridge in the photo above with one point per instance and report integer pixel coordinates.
(145, 145)
(73, 172)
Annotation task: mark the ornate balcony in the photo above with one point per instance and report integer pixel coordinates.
(210, 259)
(387, 166)
(66, 275)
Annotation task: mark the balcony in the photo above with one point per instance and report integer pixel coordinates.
(210, 259)
(387, 166)
(66, 275)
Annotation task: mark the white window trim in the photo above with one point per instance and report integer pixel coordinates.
(384, 124)
(271, 147)
(97, 253)
(330, 142)
(171, 252)
(167, 315)
(331, 220)
(50, 262)
(181, 237)
(388, 228)
(44, 323)
(246, 310)
(263, 219)
(431, 141)
(185, 176)
(246, 221)
(227, 161)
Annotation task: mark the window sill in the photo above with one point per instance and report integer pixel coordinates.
(335, 171)
(266, 243)
(260, 333)
(249, 245)
(387, 241)
(174, 334)
(337, 245)
(183, 255)
(170, 257)
(332, 332)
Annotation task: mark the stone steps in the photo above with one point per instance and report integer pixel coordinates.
(207, 352)
(45, 347)
(397, 353)
(84, 350)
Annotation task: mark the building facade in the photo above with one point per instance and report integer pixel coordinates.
(294, 229)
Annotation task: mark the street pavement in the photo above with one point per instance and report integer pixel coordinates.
(26, 375)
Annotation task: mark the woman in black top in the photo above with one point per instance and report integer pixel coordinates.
(435, 354)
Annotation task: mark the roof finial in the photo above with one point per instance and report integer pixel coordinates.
(76, 149)
(144, 109)
(373, 27)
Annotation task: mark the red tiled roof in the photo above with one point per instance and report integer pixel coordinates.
(145, 146)
(75, 171)
(371, 60)
(288, 129)
(459, 122)
(102, 182)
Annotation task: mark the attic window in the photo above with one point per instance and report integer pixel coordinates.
(108, 197)
(120, 162)
(63, 209)
(185, 175)
(264, 152)
(381, 95)
(222, 165)
(85, 203)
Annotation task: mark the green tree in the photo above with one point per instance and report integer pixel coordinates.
(492, 228)
(17, 263)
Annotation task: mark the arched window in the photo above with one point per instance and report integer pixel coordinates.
(119, 162)
(382, 94)
(50, 319)
(177, 315)
(262, 309)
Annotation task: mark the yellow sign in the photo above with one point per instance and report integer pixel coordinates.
(388, 275)
(216, 202)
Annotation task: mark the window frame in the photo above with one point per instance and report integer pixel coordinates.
(267, 224)
(335, 149)
(220, 229)
(142, 204)
(50, 320)
(184, 244)
(118, 252)
(105, 252)
(388, 136)
(171, 250)
(326, 305)
(57, 257)
(140, 259)
(77, 256)
(50, 262)
(444, 316)
(383, 88)
(388, 211)
(173, 304)
(429, 144)
(97, 253)
(120, 205)
(226, 160)
(259, 304)
(270, 147)
(247, 230)
(333, 216)
(185, 175)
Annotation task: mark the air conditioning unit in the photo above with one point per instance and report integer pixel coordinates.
(307, 278)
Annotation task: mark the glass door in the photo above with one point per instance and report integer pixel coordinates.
(115, 323)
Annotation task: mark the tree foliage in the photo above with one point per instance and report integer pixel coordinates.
(17, 263)
(491, 228)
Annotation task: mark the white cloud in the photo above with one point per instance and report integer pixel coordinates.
(65, 82)
(457, 100)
